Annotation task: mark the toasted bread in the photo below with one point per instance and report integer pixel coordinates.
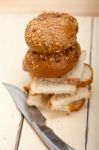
(76, 105)
(68, 102)
(63, 102)
(87, 76)
(39, 100)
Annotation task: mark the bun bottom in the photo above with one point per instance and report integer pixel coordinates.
(52, 65)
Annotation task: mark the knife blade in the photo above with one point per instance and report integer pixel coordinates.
(36, 120)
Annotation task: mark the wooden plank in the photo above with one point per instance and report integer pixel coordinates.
(93, 136)
(12, 50)
(72, 128)
(78, 7)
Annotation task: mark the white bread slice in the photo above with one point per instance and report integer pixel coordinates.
(39, 100)
(77, 71)
(58, 87)
(47, 87)
(62, 102)
(87, 76)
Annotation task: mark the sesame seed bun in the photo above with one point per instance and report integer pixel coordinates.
(51, 65)
(51, 32)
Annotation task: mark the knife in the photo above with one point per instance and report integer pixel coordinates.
(36, 120)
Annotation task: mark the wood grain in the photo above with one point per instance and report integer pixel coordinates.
(93, 134)
(78, 7)
(12, 50)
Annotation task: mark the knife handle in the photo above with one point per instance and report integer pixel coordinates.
(47, 135)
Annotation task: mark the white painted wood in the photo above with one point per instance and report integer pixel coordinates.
(12, 50)
(78, 7)
(84, 34)
(70, 128)
(93, 136)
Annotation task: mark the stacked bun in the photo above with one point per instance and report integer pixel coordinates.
(56, 63)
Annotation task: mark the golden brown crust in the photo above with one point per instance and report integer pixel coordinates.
(73, 106)
(26, 88)
(82, 83)
(88, 82)
(51, 32)
(52, 65)
(76, 105)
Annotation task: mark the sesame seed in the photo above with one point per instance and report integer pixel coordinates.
(47, 27)
(38, 31)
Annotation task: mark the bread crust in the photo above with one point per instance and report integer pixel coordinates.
(82, 82)
(76, 105)
(85, 83)
(51, 32)
(53, 65)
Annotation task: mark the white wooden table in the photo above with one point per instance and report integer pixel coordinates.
(80, 129)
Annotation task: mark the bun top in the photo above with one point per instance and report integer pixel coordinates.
(51, 32)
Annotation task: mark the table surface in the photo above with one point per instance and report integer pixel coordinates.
(79, 129)
(78, 7)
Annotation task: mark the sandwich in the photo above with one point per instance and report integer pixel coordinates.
(59, 77)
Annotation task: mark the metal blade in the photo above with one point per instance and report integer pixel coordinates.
(32, 114)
